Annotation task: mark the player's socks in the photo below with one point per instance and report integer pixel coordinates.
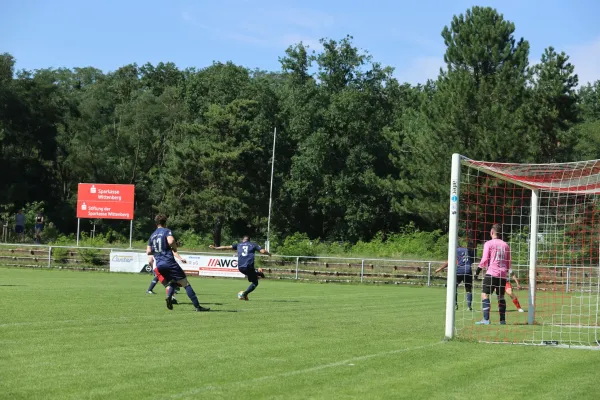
(516, 303)
(470, 300)
(192, 295)
(250, 288)
(170, 291)
(169, 299)
(502, 309)
(485, 306)
(152, 284)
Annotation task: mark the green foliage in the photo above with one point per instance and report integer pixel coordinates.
(90, 255)
(298, 244)
(50, 232)
(7, 214)
(358, 154)
(191, 240)
(552, 109)
(60, 254)
(410, 242)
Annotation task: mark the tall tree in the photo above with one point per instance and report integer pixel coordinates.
(31, 107)
(552, 109)
(475, 110)
(588, 146)
(338, 186)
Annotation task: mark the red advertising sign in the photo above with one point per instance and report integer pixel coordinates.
(105, 201)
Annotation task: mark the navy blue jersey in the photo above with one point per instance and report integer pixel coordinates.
(464, 258)
(163, 255)
(245, 252)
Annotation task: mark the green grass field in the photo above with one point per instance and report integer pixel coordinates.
(74, 335)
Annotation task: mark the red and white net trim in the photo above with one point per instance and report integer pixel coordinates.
(581, 177)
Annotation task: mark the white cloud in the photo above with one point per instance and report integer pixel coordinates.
(239, 37)
(420, 69)
(188, 17)
(275, 26)
(586, 59)
(314, 20)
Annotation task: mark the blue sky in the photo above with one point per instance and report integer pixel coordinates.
(403, 34)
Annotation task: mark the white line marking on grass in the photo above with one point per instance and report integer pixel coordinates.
(71, 321)
(349, 361)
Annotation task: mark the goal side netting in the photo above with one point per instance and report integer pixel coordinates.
(549, 214)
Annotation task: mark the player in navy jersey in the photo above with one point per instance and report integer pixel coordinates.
(245, 253)
(465, 257)
(162, 251)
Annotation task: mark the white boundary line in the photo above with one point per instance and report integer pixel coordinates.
(73, 321)
(195, 391)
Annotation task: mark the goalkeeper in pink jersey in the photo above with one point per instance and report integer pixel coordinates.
(496, 260)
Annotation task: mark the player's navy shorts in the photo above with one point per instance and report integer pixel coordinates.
(493, 284)
(466, 278)
(250, 273)
(171, 272)
(19, 229)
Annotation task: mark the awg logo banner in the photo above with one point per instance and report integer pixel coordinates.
(211, 266)
(105, 201)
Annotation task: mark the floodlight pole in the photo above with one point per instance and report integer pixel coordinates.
(452, 244)
(533, 239)
(268, 244)
(130, 232)
(78, 226)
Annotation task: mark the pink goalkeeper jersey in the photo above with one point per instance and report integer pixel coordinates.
(496, 258)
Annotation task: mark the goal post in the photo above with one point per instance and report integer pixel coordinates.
(452, 244)
(550, 218)
(532, 256)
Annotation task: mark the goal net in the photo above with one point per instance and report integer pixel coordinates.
(549, 214)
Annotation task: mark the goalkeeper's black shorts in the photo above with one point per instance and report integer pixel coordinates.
(493, 284)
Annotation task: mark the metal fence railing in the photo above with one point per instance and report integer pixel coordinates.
(326, 269)
(562, 278)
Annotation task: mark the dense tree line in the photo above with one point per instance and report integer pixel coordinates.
(358, 153)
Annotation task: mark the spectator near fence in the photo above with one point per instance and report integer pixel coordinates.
(20, 225)
(39, 227)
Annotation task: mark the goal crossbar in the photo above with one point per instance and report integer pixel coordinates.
(576, 177)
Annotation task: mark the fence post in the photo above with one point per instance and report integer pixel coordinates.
(362, 270)
(429, 275)
(568, 279)
(297, 260)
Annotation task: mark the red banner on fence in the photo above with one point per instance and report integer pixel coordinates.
(105, 201)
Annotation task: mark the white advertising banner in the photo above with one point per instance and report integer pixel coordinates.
(128, 261)
(203, 265)
(211, 265)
